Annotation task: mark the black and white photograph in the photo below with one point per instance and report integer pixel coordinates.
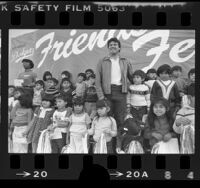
(101, 91)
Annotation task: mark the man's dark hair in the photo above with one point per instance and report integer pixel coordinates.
(114, 39)
(31, 64)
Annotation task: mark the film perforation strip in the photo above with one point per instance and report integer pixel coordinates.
(112, 161)
(112, 18)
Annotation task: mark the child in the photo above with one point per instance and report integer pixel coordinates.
(41, 120)
(47, 75)
(21, 119)
(103, 124)
(131, 140)
(66, 74)
(11, 90)
(80, 85)
(52, 87)
(159, 125)
(176, 76)
(88, 72)
(91, 97)
(66, 91)
(79, 123)
(28, 76)
(38, 92)
(165, 87)
(138, 98)
(185, 121)
(150, 78)
(191, 78)
(60, 125)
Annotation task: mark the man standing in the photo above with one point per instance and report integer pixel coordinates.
(112, 74)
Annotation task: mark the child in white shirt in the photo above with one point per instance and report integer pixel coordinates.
(138, 98)
(60, 125)
(103, 124)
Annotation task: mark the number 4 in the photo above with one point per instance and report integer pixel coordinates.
(190, 175)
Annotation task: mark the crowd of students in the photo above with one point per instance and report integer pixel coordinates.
(52, 115)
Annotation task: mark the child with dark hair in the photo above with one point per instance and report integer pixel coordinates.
(79, 123)
(138, 97)
(80, 85)
(38, 92)
(46, 76)
(67, 90)
(20, 120)
(60, 127)
(159, 125)
(185, 122)
(177, 77)
(103, 125)
(52, 85)
(165, 87)
(91, 97)
(66, 74)
(28, 76)
(88, 72)
(131, 140)
(151, 76)
(41, 120)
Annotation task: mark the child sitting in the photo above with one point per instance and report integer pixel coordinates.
(159, 125)
(103, 124)
(185, 123)
(138, 98)
(131, 140)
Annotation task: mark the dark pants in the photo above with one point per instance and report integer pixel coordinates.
(58, 144)
(138, 112)
(117, 102)
(29, 90)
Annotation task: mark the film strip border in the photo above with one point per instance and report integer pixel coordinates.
(121, 166)
(85, 14)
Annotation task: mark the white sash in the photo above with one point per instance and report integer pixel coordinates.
(166, 89)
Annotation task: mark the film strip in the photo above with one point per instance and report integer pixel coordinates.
(67, 21)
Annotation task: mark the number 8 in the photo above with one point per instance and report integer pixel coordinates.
(168, 175)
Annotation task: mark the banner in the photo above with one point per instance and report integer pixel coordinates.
(77, 50)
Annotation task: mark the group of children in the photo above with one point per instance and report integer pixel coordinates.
(56, 116)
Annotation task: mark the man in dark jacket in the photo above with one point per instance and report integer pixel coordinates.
(112, 74)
